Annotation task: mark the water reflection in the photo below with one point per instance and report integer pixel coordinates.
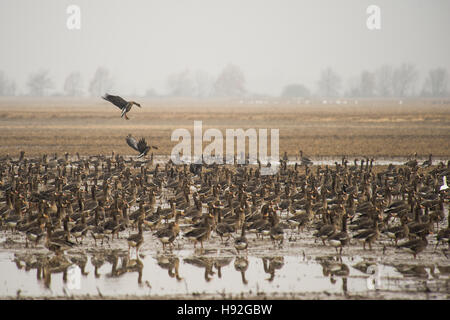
(204, 263)
(171, 263)
(241, 265)
(333, 267)
(219, 263)
(114, 273)
(271, 264)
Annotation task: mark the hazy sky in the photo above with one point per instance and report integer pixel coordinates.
(275, 42)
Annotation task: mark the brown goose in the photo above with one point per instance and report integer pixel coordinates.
(241, 243)
(415, 246)
(201, 233)
(340, 239)
(398, 232)
(121, 103)
(369, 236)
(136, 240)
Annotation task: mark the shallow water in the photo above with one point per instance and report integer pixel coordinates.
(285, 276)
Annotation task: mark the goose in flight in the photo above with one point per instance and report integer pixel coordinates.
(121, 103)
(140, 146)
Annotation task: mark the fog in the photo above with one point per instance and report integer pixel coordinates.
(274, 42)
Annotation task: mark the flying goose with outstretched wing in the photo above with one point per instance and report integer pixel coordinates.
(121, 103)
(140, 146)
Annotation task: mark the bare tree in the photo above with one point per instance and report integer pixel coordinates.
(181, 84)
(329, 83)
(436, 83)
(403, 80)
(73, 84)
(295, 91)
(7, 86)
(367, 84)
(38, 83)
(151, 93)
(383, 81)
(230, 82)
(101, 82)
(204, 84)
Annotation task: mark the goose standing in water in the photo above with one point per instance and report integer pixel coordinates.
(121, 103)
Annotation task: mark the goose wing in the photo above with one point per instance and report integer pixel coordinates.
(116, 100)
(132, 142)
(142, 145)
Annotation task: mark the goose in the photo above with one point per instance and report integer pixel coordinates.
(121, 103)
(168, 234)
(140, 146)
(444, 186)
(369, 236)
(415, 246)
(201, 233)
(223, 229)
(427, 163)
(241, 242)
(340, 239)
(136, 240)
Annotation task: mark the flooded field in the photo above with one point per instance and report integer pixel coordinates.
(378, 186)
(301, 269)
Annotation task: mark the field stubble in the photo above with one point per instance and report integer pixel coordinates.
(89, 126)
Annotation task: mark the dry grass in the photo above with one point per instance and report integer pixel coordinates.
(380, 129)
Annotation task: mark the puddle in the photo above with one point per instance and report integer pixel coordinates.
(186, 275)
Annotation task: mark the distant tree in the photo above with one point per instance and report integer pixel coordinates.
(403, 80)
(7, 86)
(151, 93)
(436, 83)
(38, 83)
(230, 82)
(329, 83)
(353, 87)
(100, 83)
(383, 81)
(367, 84)
(73, 85)
(204, 84)
(295, 91)
(181, 84)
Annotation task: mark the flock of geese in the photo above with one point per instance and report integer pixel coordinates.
(69, 202)
(64, 201)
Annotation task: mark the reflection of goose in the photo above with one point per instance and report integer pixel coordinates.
(365, 266)
(171, 263)
(331, 267)
(97, 260)
(412, 270)
(241, 265)
(134, 265)
(80, 261)
(271, 264)
(219, 263)
(202, 262)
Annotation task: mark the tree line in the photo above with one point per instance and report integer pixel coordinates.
(385, 81)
